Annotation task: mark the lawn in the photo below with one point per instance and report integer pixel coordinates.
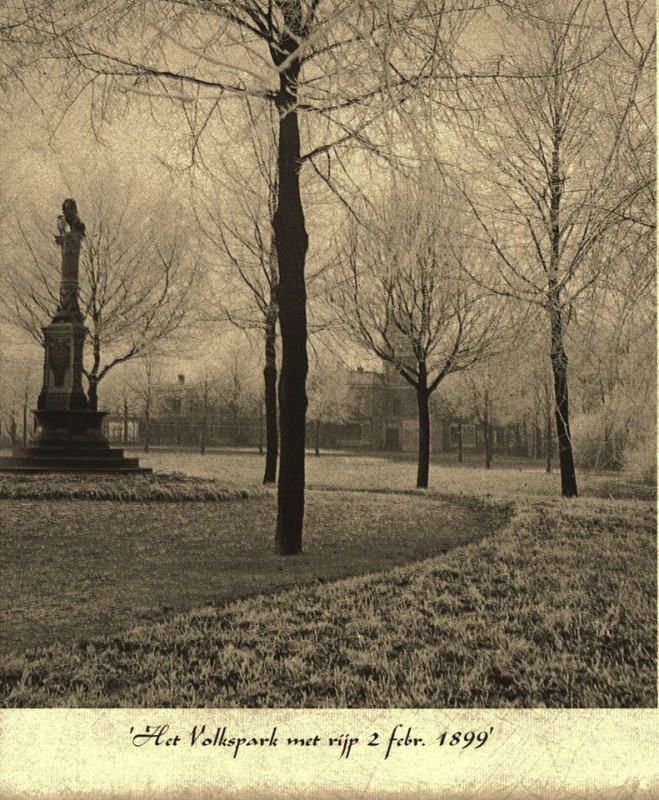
(167, 593)
(513, 477)
(99, 566)
(557, 609)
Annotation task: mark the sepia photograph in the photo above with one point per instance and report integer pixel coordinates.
(328, 369)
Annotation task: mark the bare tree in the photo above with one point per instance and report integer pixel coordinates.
(21, 40)
(145, 386)
(407, 297)
(204, 394)
(554, 197)
(237, 387)
(241, 235)
(483, 406)
(613, 344)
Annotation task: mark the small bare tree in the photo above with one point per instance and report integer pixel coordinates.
(145, 385)
(328, 393)
(237, 387)
(406, 296)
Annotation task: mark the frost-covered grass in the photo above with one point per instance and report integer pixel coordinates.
(81, 569)
(342, 470)
(402, 597)
(173, 487)
(556, 609)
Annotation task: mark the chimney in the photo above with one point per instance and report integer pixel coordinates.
(181, 379)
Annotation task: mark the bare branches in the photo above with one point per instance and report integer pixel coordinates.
(553, 152)
(406, 295)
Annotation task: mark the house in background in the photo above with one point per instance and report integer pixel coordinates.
(380, 414)
(383, 415)
(181, 416)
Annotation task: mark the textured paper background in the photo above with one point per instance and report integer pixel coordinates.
(531, 754)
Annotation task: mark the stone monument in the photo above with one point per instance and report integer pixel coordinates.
(69, 435)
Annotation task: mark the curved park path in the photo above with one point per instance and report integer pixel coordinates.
(72, 571)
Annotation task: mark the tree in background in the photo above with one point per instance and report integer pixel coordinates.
(206, 393)
(551, 193)
(124, 399)
(503, 391)
(484, 404)
(240, 231)
(146, 383)
(16, 396)
(406, 296)
(237, 387)
(329, 399)
(614, 346)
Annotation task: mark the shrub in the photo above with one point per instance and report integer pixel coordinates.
(641, 460)
(599, 441)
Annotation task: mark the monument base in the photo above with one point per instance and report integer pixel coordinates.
(70, 441)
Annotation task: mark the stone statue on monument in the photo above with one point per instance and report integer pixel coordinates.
(70, 233)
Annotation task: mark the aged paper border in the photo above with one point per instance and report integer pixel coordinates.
(532, 754)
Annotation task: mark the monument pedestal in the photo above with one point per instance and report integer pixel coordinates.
(69, 435)
(70, 440)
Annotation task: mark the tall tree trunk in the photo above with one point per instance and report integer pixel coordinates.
(270, 395)
(422, 397)
(317, 430)
(559, 368)
(558, 356)
(147, 425)
(25, 424)
(291, 241)
(460, 442)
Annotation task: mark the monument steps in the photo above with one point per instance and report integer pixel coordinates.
(119, 469)
(73, 451)
(74, 463)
